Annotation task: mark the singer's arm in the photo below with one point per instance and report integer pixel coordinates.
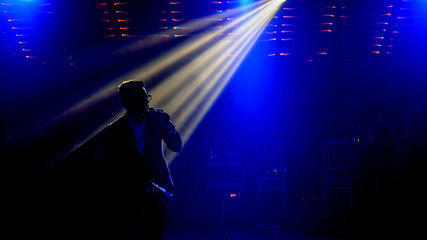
(173, 140)
(169, 133)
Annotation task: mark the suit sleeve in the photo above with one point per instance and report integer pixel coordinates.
(173, 140)
(168, 131)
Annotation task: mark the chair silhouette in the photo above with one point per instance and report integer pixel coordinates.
(270, 155)
(336, 160)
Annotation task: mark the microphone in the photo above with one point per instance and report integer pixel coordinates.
(161, 193)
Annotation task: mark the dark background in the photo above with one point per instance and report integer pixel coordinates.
(287, 90)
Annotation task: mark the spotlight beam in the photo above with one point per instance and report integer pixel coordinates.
(157, 65)
(207, 62)
(198, 99)
(251, 31)
(188, 93)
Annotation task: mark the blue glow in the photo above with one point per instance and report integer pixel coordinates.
(25, 4)
(25, 1)
(246, 2)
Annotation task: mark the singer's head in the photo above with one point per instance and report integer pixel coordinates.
(133, 96)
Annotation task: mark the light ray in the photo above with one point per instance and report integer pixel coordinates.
(214, 77)
(161, 63)
(188, 93)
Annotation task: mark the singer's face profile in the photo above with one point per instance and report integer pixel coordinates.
(138, 100)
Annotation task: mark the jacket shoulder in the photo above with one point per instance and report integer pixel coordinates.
(117, 124)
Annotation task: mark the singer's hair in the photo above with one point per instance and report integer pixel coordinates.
(128, 88)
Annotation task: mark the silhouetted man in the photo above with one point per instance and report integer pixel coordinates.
(140, 176)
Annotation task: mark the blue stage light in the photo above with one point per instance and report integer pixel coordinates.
(24, 1)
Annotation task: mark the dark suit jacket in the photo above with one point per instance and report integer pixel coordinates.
(128, 163)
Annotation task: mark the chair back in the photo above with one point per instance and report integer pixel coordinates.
(336, 154)
(270, 154)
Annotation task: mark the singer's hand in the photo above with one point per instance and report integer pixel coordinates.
(162, 118)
